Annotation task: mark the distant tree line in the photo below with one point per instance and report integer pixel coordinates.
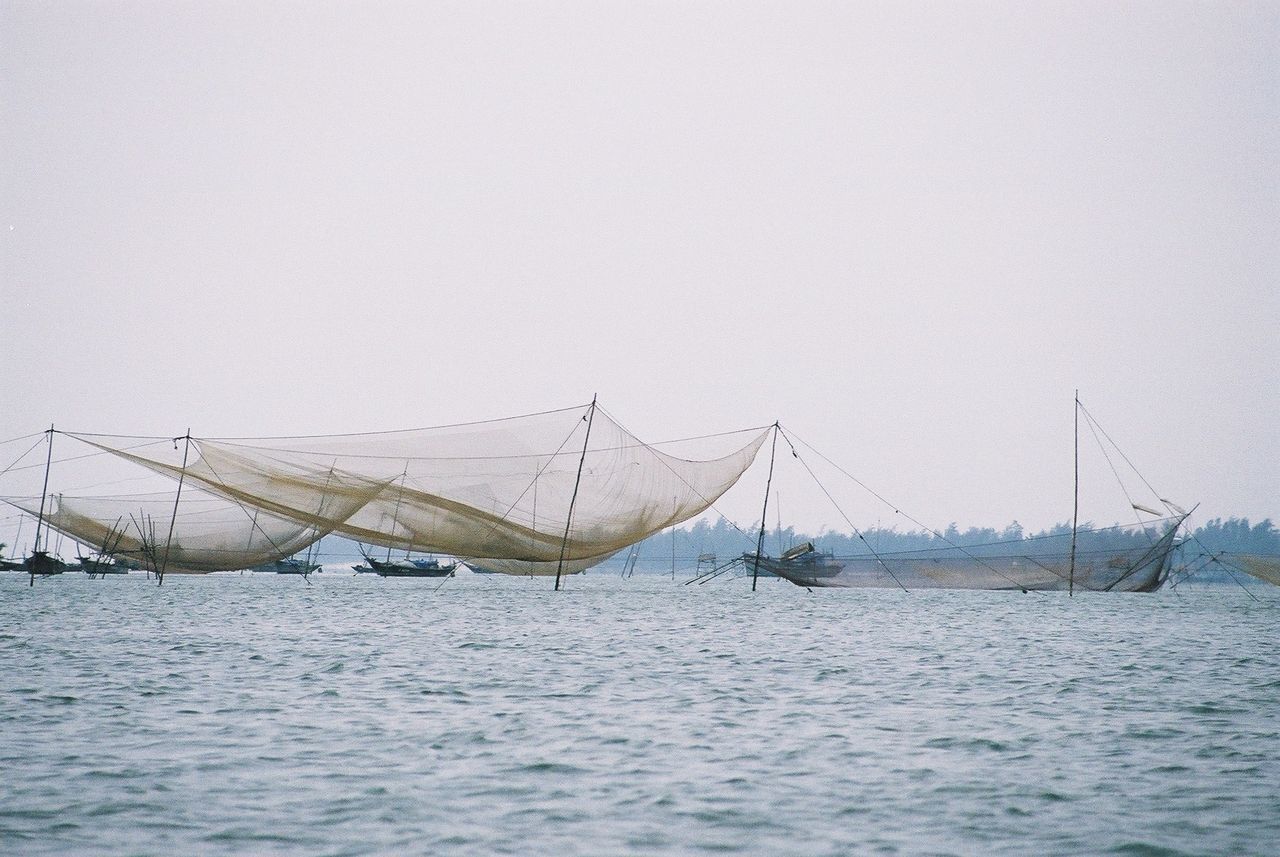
(1235, 535)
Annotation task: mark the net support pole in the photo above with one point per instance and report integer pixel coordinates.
(173, 519)
(764, 513)
(1075, 509)
(44, 492)
(568, 522)
(395, 517)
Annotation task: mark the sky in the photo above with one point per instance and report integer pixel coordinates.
(908, 232)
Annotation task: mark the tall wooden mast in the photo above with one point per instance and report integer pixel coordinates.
(1075, 511)
(568, 521)
(182, 475)
(44, 492)
(755, 566)
(36, 560)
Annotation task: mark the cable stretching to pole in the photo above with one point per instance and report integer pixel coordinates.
(568, 522)
(847, 520)
(896, 511)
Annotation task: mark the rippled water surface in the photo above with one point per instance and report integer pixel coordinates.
(257, 715)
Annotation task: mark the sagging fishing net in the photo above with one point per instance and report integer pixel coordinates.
(207, 533)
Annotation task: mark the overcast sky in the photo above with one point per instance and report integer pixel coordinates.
(908, 232)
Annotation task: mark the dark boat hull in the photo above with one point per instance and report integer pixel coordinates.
(405, 572)
(286, 566)
(41, 564)
(411, 568)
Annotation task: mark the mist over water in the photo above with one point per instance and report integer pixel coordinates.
(256, 714)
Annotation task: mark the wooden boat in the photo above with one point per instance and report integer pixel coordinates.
(802, 561)
(480, 569)
(411, 567)
(1135, 559)
(287, 566)
(98, 566)
(43, 564)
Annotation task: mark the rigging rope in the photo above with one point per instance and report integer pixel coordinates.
(90, 454)
(24, 455)
(856, 531)
(1094, 428)
(1232, 570)
(918, 523)
(21, 437)
(350, 434)
(1138, 472)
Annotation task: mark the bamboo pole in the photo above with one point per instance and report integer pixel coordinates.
(1075, 512)
(182, 475)
(44, 492)
(564, 543)
(764, 513)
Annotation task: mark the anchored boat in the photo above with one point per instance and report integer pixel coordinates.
(411, 567)
(1115, 559)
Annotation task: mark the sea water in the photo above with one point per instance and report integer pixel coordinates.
(258, 714)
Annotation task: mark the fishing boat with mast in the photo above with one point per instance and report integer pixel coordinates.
(1112, 559)
(41, 563)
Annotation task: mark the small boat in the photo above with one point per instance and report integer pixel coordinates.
(100, 565)
(42, 564)
(287, 566)
(410, 567)
(480, 569)
(802, 562)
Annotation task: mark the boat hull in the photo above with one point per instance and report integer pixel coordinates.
(411, 567)
(41, 564)
(443, 571)
(286, 566)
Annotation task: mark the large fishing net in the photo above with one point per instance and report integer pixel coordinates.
(547, 493)
(203, 533)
